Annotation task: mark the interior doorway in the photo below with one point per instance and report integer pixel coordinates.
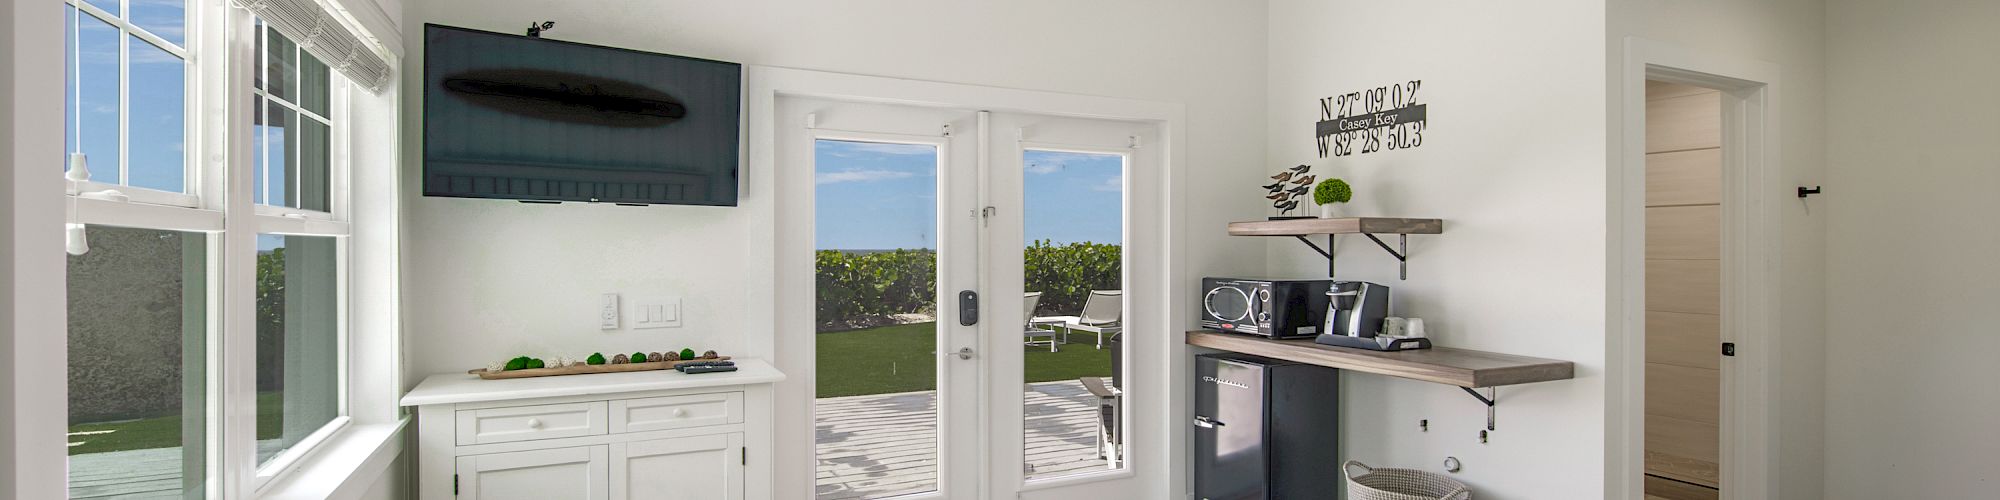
(1683, 306)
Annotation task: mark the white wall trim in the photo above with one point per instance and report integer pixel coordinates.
(1752, 191)
(792, 295)
(33, 308)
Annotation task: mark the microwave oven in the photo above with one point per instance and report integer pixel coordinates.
(1275, 308)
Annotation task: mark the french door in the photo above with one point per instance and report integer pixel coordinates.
(969, 301)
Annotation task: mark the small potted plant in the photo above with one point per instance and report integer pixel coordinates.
(1329, 193)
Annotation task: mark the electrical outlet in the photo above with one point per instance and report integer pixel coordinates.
(607, 312)
(656, 312)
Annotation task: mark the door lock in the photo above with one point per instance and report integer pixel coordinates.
(964, 353)
(968, 308)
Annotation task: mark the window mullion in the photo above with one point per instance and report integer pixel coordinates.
(124, 96)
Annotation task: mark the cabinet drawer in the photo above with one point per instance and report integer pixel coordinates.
(676, 412)
(524, 423)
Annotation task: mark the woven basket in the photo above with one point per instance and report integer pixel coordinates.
(1400, 484)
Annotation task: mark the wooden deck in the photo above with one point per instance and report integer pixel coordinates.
(885, 445)
(133, 474)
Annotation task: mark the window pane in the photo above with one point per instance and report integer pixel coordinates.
(315, 160)
(315, 83)
(158, 119)
(1073, 221)
(280, 153)
(282, 65)
(164, 18)
(137, 344)
(297, 340)
(93, 94)
(110, 6)
(257, 49)
(258, 130)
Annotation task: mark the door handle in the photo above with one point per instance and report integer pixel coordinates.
(968, 308)
(964, 353)
(1205, 422)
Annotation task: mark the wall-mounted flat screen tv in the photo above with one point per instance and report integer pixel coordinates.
(522, 118)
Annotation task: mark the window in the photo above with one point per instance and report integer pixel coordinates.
(126, 113)
(151, 243)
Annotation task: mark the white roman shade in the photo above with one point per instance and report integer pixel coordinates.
(320, 34)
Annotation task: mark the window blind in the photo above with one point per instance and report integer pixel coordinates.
(319, 33)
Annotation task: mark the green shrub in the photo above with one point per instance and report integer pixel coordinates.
(1332, 191)
(857, 288)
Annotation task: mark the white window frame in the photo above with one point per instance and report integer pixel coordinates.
(191, 173)
(218, 170)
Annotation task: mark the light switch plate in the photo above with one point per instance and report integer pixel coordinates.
(656, 312)
(607, 312)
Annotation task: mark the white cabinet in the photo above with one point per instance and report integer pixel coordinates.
(612, 436)
(577, 473)
(690, 468)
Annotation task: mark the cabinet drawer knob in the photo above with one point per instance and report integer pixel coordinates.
(534, 423)
(680, 412)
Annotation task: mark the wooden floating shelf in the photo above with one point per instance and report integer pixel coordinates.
(1460, 367)
(1343, 225)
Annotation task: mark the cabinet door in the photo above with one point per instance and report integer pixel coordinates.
(690, 468)
(534, 475)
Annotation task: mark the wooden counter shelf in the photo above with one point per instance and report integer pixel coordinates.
(1465, 368)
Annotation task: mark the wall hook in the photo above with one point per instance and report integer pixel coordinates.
(1804, 191)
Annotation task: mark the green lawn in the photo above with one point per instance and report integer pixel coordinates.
(899, 359)
(165, 432)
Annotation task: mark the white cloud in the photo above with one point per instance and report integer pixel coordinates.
(860, 176)
(1114, 184)
(852, 149)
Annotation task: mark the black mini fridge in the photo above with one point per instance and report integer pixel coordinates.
(1265, 429)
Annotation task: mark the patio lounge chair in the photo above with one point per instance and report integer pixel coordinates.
(1102, 312)
(1110, 407)
(1029, 301)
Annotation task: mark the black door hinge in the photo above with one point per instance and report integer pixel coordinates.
(454, 485)
(1728, 348)
(745, 455)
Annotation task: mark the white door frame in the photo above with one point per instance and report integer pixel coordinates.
(787, 311)
(1752, 188)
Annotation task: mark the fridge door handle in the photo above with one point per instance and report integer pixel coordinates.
(1206, 422)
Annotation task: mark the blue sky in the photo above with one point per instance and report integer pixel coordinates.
(874, 196)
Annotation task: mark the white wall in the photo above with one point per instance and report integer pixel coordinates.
(1513, 161)
(1912, 121)
(1791, 35)
(32, 304)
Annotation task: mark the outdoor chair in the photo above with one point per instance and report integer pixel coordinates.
(1110, 408)
(1028, 301)
(1102, 312)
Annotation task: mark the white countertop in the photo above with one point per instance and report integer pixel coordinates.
(467, 388)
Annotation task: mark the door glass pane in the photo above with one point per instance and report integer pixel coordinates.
(876, 231)
(164, 18)
(158, 141)
(1073, 223)
(92, 116)
(298, 340)
(137, 364)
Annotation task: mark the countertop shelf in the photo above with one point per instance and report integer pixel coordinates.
(1341, 225)
(1444, 365)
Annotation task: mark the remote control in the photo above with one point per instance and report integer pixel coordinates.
(706, 369)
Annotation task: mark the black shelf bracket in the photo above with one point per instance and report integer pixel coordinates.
(1490, 399)
(1401, 253)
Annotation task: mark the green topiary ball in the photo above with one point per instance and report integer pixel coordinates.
(687, 353)
(1332, 191)
(534, 363)
(518, 363)
(596, 358)
(638, 357)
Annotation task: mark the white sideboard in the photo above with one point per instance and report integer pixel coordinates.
(610, 436)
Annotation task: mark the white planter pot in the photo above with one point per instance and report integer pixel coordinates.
(1329, 211)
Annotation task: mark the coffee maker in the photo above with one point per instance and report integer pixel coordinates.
(1354, 318)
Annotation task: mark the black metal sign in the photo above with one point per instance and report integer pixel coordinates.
(1387, 117)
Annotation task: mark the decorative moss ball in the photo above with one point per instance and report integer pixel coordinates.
(1332, 191)
(620, 359)
(517, 363)
(596, 358)
(639, 357)
(709, 354)
(673, 355)
(655, 357)
(534, 363)
(687, 353)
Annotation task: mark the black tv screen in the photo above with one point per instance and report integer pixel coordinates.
(521, 118)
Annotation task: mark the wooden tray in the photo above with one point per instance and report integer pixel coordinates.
(583, 369)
